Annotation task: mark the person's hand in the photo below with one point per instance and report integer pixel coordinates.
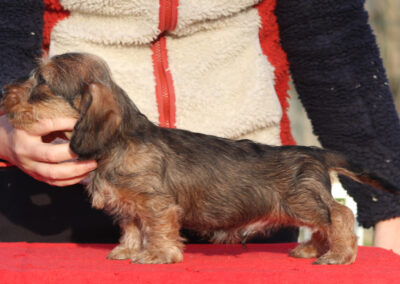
(50, 163)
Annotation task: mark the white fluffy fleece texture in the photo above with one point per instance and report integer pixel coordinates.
(223, 82)
(110, 22)
(137, 21)
(199, 14)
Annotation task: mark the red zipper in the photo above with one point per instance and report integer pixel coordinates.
(168, 15)
(165, 92)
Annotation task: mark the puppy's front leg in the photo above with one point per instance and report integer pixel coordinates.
(160, 230)
(130, 241)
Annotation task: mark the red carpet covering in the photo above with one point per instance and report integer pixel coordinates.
(77, 263)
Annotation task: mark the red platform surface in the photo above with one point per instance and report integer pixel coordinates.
(266, 263)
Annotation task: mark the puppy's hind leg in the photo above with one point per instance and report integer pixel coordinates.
(308, 205)
(311, 204)
(334, 242)
(341, 237)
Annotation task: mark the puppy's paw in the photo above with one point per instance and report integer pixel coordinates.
(121, 252)
(335, 258)
(162, 256)
(306, 250)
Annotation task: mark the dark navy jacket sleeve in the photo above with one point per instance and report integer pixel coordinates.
(339, 76)
(21, 26)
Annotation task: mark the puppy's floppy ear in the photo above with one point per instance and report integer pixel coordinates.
(99, 121)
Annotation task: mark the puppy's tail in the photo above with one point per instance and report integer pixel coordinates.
(341, 165)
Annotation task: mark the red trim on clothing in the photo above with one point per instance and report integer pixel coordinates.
(168, 15)
(271, 47)
(53, 13)
(165, 92)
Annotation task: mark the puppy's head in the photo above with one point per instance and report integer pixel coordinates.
(73, 85)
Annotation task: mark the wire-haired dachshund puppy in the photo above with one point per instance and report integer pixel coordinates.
(155, 180)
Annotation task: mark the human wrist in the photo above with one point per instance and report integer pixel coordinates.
(386, 234)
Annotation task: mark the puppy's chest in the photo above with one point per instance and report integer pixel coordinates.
(101, 192)
(118, 197)
(104, 195)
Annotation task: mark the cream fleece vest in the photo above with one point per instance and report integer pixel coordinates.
(222, 82)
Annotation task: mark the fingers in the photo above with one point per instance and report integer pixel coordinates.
(61, 183)
(65, 170)
(30, 147)
(62, 174)
(46, 126)
(54, 164)
(51, 153)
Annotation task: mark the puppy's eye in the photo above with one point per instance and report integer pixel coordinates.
(39, 93)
